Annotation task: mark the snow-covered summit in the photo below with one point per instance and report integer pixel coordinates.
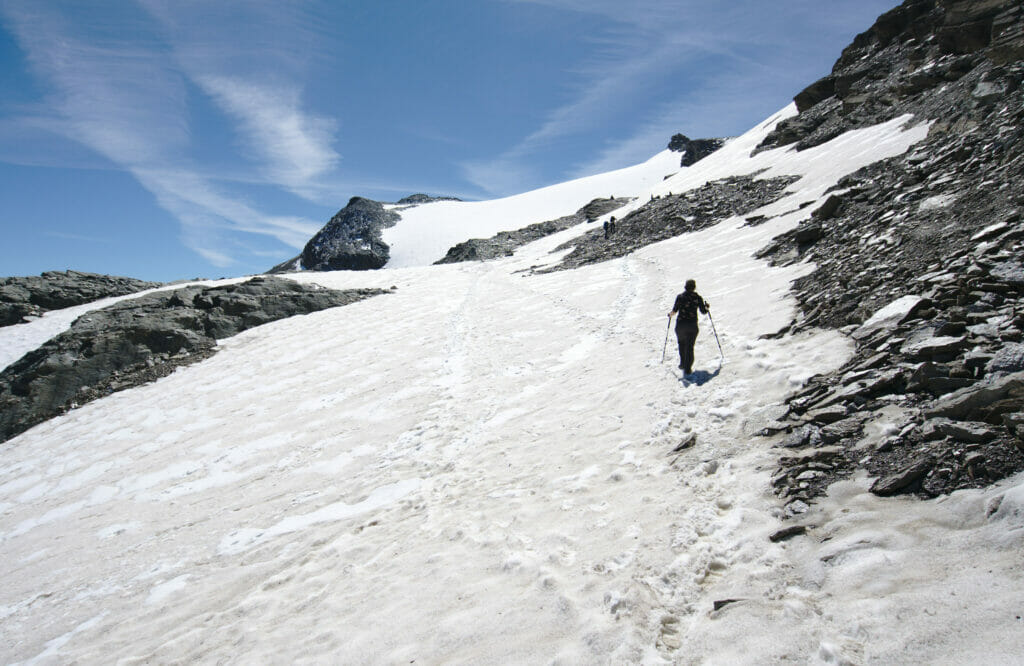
(425, 232)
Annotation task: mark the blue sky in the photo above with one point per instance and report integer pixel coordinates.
(170, 139)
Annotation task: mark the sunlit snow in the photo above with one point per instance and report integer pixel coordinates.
(477, 469)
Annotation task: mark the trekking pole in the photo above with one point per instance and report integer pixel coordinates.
(720, 352)
(665, 346)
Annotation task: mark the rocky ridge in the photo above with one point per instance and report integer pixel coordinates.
(504, 243)
(140, 340)
(918, 258)
(352, 239)
(22, 298)
(672, 215)
(693, 150)
(922, 57)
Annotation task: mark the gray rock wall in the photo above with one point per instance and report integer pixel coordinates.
(22, 297)
(505, 243)
(939, 232)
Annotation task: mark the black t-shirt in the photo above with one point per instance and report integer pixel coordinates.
(687, 304)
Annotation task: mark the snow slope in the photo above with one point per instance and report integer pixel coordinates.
(476, 469)
(426, 232)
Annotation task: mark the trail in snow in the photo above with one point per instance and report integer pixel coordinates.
(475, 469)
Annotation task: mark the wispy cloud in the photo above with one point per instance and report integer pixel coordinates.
(650, 48)
(295, 146)
(119, 86)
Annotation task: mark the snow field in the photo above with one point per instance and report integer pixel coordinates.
(427, 231)
(476, 469)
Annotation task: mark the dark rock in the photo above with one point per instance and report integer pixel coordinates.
(844, 429)
(933, 346)
(828, 209)
(904, 480)
(818, 91)
(351, 240)
(673, 215)
(787, 533)
(808, 233)
(687, 442)
(417, 199)
(891, 316)
(504, 243)
(22, 297)
(964, 431)
(142, 339)
(693, 150)
(827, 415)
(722, 603)
(1008, 358)
(920, 261)
(985, 401)
(807, 435)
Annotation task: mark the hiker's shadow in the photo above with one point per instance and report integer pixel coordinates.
(702, 377)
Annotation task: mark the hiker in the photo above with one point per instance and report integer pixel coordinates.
(606, 229)
(687, 304)
(611, 226)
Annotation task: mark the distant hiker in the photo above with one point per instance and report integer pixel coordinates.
(687, 304)
(611, 226)
(606, 229)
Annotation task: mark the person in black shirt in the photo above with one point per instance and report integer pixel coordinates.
(687, 304)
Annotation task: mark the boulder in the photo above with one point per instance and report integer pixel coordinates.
(984, 401)
(904, 480)
(351, 240)
(828, 209)
(1010, 272)
(971, 432)
(787, 533)
(22, 297)
(693, 150)
(892, 315)
(1009, 358)
(931, 347)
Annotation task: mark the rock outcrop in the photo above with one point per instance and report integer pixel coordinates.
(693, 150)
(26, 297)
(418, 199)
(139, 340)
(672, 215)
(352, 239)
(504, 243)
(915, 59)
(917, 258)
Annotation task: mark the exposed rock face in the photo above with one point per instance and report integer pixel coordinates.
(504, 243)
(417, 199)
(142, 339)
(918, 257)
(351, 240)
(693, 150)
(913, 60)
(22, 297)
(673, 215)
